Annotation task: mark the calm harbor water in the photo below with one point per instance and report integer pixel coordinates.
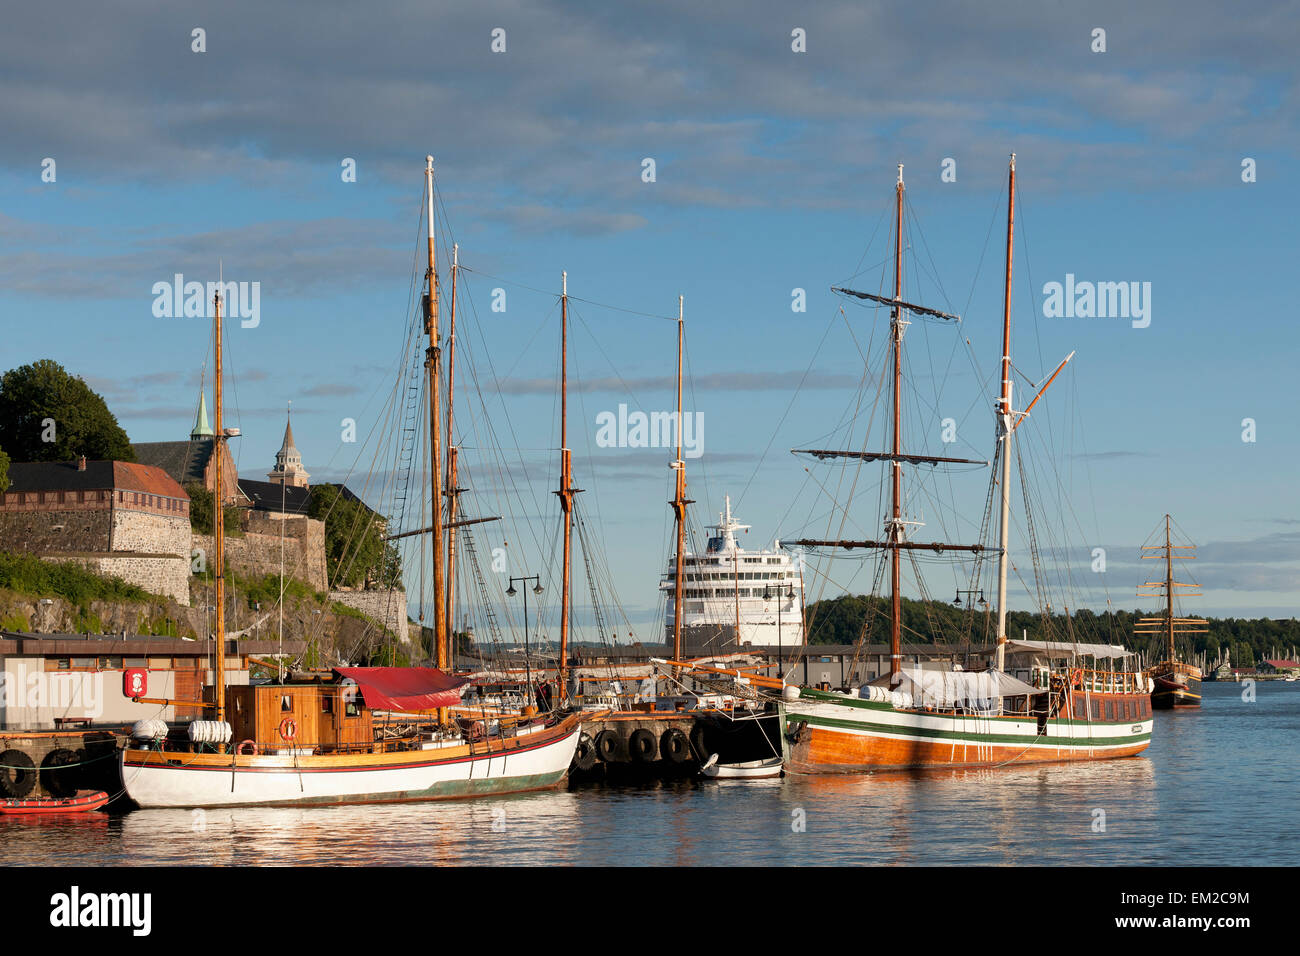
(1217, 786)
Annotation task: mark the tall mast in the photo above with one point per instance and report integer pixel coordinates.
(219, 522)
(896, 524)
(1005, 426)
(679, 499)
(453, 490)
(566, 481)
(1169, 587)
(431, 362)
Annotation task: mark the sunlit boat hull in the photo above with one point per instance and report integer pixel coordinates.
(826, 732)
(155, 779)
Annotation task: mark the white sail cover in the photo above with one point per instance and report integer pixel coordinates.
(1059, 649)
(974, 690)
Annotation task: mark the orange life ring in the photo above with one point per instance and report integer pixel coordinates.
(249, 743)
(288, 729)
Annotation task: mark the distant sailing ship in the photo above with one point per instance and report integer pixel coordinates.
(1176, 683)
(1053, 705)
(758, 594)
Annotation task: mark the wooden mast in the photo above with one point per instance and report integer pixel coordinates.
(1169, 587)
(431, 365)
(219, 524)
(1005, 426)
(679, 499)
(566, 490)
(453, 490)
(896, 524)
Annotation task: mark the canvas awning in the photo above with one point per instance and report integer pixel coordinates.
(1067, 650)
(948, 688)
(405, 688)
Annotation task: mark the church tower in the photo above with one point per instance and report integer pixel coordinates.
(201, 427)
(288, 463)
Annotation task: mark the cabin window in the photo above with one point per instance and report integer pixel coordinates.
(1096, 710)
(286, 702)
(1110, 710)
(327, 705)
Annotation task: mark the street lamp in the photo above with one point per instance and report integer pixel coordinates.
(528, 670)
(767, 596)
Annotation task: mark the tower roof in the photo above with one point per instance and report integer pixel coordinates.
(201, 427)
(287, 445)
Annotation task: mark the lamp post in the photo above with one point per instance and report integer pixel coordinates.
(970, 594)
(767, 596)
(528, 670)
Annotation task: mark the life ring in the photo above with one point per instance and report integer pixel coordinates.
(584, 758)
(248, 743)
(17, 774)
(609, 746)
(674, 747)
(288, 729)
(642, 745)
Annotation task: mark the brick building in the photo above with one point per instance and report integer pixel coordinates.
(121, 519)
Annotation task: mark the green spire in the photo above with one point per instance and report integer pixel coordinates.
(201, 427)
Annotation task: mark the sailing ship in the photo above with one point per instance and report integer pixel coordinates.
(354, 734)
(1175, 683)
(1036, 700)
(758, 595)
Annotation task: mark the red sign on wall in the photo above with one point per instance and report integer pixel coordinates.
(135, 682)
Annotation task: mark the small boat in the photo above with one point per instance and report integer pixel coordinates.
(79, 804)
(749, 770)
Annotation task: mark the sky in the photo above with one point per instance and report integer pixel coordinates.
(1161, 152)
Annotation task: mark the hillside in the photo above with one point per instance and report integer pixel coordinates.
(840, 621)
(46, 597)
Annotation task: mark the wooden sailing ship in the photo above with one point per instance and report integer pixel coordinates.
(355, 734)
(1036, 701)
(1175, 683)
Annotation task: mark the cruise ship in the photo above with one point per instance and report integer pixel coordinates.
(758, 595)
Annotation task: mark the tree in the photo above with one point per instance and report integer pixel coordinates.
(4, 471)
(355, 550)
(48, 415)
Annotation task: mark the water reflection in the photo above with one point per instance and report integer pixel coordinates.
(1216, 786)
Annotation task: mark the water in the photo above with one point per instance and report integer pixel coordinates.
(1217, 786)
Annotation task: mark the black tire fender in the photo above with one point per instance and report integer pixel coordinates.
(17, 774)
(60, 773)
(642, 745)
(609, 746)
(584, 758)
(699, 743)
(674, 747)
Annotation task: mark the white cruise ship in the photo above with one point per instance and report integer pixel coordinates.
(758, 593)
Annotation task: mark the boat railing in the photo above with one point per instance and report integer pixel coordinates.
(1108, 682)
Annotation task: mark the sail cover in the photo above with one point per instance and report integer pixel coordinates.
(405, 688)
(977, 690)
(1068, 650)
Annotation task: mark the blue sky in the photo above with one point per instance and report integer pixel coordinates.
(773, 170)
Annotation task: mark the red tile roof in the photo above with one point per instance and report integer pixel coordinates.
(129, 476)
(1281, 664)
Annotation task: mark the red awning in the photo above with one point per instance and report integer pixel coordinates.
(405, 688)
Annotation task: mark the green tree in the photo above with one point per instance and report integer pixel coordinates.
(355, 550)
(4, 471)
(201, 511)
(48, 415)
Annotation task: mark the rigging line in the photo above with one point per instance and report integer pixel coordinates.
(763, 457)
(506, 476)
(572, 298)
